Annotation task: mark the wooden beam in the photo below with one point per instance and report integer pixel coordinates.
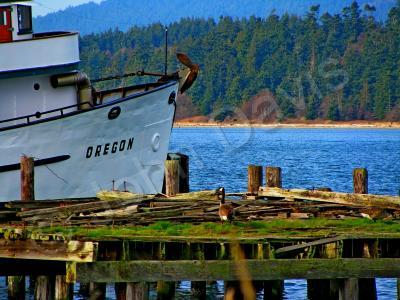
(40, 204)
(274, 269)
(332, 197)
(64, 212)
(49, 250)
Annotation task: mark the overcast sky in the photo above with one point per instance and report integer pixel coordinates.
(43, 7)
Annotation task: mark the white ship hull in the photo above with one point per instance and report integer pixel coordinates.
(81, 154)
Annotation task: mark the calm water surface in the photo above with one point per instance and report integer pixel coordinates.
(308, 158)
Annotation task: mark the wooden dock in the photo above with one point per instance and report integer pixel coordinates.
(339, 242)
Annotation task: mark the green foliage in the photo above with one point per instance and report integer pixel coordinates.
(343, 66)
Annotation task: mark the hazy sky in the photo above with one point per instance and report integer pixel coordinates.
(43, 7)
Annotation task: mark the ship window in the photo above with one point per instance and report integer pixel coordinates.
(24, 19)
(3, 20)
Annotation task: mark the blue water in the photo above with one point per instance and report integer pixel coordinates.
(308, 158)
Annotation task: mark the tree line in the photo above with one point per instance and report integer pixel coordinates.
(341, 67)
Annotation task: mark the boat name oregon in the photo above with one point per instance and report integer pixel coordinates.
(109, 148)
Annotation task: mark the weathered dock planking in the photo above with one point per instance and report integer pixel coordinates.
(338, 264)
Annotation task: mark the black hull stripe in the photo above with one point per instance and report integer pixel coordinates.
(37, 163)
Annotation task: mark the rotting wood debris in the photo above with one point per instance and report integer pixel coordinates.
(117, 208)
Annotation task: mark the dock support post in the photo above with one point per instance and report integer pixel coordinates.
(97, 291)
(274, 177)
(165, 289)
(63, 290)
(254, 179)
(318, 289)
(198, 288)
(132, 290)
(349, 289)
(44, 288)
(398, 288)
(27, 179)
(360, 181)
(137, 291)
(84, 289)
(183, 171)
(367, 286)
(16, 287)
(273, 289)
(171, 177)
(324, 288)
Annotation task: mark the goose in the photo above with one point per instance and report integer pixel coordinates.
(225, 211)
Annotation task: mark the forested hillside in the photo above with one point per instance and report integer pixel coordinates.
(340, 67)
(124, 14)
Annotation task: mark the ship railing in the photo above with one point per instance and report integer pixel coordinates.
(33, 118)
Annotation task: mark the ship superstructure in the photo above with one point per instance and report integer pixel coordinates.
(82, 140)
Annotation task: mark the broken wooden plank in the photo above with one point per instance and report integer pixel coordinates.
(39, 204)
(331, 197)
(302, 246)
(52, 250)
(295, 215)
(65, 212)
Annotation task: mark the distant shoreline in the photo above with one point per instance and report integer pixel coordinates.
(354, 125)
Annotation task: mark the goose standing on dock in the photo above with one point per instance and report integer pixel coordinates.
(225, 211)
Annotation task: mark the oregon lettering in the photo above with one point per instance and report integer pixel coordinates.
(109, 148)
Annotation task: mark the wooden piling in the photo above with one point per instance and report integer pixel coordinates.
(171, 177)
(137, 291)
(367, 286)
(398, 288)
(132, 290)
(44, 288)
(367, 289)
(273, 289)
(360, 181)
(63, 290)
(165, 289)
(183, 159)
(120, 291)
(254, 179)
(198, 288)
(27, 179)
(318, 289)
(97, 291)
(183, 172)
(84, 289)
(274, 177)
(349, 289)
(16, 287)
